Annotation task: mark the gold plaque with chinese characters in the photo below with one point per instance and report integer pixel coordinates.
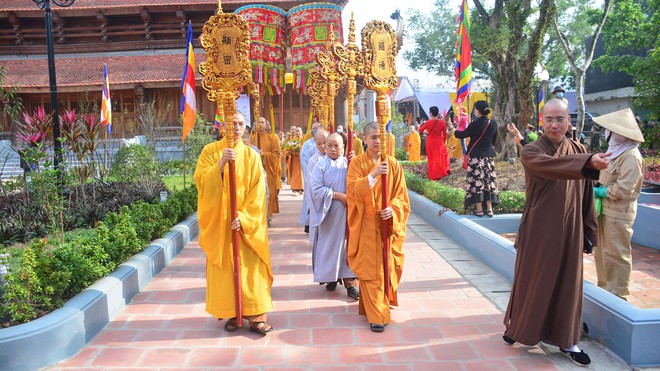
(226, 40)
(379, 49)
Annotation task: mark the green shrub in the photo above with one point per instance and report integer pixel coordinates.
(449, 197)
(117, 236)
(83, 261)
(135, 163)
(400, 154)
(511, 202)
(42, 276)
(454, 198)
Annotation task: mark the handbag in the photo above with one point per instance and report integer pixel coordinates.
(467, 155)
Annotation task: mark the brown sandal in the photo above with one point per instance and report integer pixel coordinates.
(260, 327)
(231, 325)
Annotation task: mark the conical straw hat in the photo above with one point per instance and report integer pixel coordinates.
(621, 122)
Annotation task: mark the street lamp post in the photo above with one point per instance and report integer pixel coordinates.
(57, 146)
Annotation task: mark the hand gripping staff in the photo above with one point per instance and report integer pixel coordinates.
(379, 50)
(226, 40)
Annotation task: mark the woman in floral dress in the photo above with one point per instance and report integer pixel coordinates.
(481, 189)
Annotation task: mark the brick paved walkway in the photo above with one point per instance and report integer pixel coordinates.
(443, 323)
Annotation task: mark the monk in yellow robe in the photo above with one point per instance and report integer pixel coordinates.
(358, 149)
(271, 154)
(414, 145)
(292, 154)
(365, 218)
(391, 142)
(215, 231)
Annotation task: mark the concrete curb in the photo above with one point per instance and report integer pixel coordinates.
(630, 332)
(65, 331)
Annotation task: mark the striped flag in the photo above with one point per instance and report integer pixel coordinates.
(463, 69)
(188, 102)
(106, 105)
(541, 104)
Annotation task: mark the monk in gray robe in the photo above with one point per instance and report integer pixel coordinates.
(319, 139)
(307, 150)
(546, 296)
(328, 208)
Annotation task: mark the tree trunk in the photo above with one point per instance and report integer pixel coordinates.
(579, 94)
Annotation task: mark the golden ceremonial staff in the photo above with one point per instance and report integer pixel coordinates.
(379, 49)
(351, 64)
(254, 93)
(317, 93)
(331, 73)
(226, 40)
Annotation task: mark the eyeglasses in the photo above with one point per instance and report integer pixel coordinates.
(552, 120)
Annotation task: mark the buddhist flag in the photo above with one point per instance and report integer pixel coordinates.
(106, 105)
(541, 104)
(188, 102)
(218, 118)
(463, 69)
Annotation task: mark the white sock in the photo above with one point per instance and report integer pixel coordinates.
(574, 348)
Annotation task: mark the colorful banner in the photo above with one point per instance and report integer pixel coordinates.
(463, 69)
(188, 99)
(309, 26)
(267, 44)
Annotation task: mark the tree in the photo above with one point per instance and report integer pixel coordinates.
(633, 46)
(510, 38)
(580, 61)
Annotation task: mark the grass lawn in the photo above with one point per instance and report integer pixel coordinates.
(173, 182)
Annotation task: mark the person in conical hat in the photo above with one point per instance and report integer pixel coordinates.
(620, 185)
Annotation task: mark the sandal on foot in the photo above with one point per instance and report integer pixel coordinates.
(260, 327)
(376, 327)
(231, 325)
(476, 213)
(489, 213)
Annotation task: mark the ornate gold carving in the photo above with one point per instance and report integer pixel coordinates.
(331, 74)
(351, 64)
(226, 40)
(379, 48)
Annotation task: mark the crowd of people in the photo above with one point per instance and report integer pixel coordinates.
(357, 229)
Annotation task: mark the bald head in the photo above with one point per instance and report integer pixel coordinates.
(556, 103)
(321, 134)
(334, 146)
(369, 127)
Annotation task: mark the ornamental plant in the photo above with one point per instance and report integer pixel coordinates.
(33, 132)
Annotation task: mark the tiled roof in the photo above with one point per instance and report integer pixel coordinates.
(88, 71)
(26, 5)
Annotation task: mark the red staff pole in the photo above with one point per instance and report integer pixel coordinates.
(383, 114)
(230, 108)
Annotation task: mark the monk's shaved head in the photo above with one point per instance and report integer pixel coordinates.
(370, 126)
(556, 102)
(335, 136)
(321, 133)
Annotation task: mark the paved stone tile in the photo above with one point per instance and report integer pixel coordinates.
(447, 318)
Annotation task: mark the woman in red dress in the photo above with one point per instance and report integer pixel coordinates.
(436, 151)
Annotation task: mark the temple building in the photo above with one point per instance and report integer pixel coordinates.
(143, 45)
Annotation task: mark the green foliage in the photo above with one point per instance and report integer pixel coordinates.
(135, 163)
(42, 275)
(202, 134)
(12, 104)
(454, 198)
(651, 137)
(148, 220)
(400, 154)
(511, 202)
(632, 44)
